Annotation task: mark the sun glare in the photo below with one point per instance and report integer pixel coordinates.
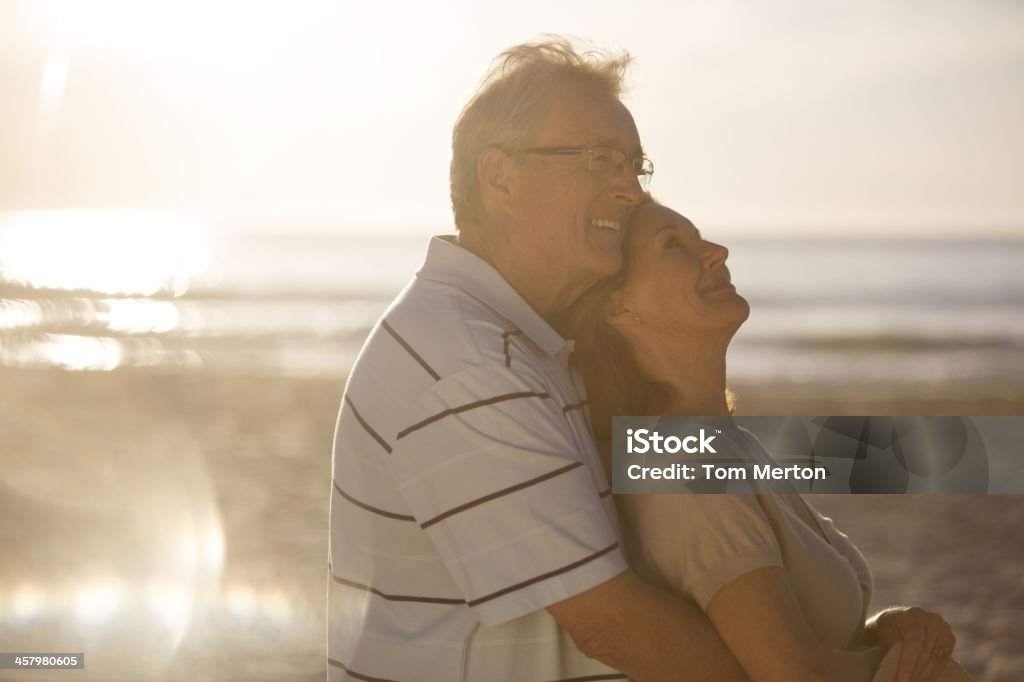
(139, 316)
(109, 251)
(26, 602)
(170, 603)
(140, 26)
(51, 90)
(79, 352)
(98, 602)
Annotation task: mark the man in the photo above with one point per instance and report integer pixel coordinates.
(473, 536)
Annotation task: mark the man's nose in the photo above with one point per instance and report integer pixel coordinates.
(627, 189)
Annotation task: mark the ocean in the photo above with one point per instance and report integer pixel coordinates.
(108, 293)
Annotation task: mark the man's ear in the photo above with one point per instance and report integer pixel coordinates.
(492, 173)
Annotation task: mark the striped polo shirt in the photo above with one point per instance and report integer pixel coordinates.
(467, 491)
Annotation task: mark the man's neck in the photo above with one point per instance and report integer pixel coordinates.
(531, 280)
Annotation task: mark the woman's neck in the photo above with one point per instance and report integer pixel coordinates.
(691, 366)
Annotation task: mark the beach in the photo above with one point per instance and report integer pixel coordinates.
(111, 477)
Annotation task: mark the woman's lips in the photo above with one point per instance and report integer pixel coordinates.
(717, 286)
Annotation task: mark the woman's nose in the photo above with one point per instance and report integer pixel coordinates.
(715, 255)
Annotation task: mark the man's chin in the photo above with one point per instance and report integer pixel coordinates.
(607, 260)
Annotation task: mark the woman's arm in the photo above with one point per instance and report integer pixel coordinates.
(758, 617)
(722, 551)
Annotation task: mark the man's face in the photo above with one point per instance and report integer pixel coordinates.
(572, 219)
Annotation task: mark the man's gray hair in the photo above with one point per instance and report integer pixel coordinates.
(512, 102)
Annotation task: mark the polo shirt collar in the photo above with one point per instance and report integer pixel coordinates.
(449, 263)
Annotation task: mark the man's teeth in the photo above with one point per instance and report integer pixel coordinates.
(611, 224)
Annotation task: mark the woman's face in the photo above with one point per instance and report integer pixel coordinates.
(678, 280)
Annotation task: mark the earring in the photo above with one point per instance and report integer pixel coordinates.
(636, 318)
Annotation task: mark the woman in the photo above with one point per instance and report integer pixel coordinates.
(787, 592)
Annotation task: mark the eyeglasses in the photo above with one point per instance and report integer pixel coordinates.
(603, 160)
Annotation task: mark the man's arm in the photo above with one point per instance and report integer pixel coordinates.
(647, 633)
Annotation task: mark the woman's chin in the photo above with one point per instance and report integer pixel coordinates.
(745, 309)
(735, 312)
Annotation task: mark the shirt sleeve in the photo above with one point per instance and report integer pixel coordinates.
(696, 544)
(490, 469)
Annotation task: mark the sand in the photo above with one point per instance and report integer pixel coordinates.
(115, 485)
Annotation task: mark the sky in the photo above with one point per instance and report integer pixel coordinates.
(790, 116)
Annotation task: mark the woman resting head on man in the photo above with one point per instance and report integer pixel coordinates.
(787, 592)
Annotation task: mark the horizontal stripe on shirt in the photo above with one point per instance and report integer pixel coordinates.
(471, 406)
(545, 576)
(371, 508)
(397, 597)
(500, 493)
(355, 675)
(574, 406)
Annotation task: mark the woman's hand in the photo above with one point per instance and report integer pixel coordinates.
(927, 641)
